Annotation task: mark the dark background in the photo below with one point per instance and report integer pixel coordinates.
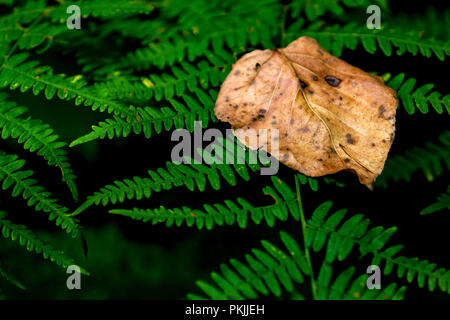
(135, 260)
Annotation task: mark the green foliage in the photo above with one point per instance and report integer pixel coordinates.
(229, 213)
(31, 242)
(8, 277)
(323, 232)
(19, 180)
(432, 160)
(151, 67)
(188, 76)
(442, 203)
(274, 271)
(337, 236)
(17, 73)
(315, 9)
(151, 119)
(36, 137)
(261, 274)
(337, 37)
(420, 98)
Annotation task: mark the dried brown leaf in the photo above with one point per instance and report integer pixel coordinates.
(331, 116)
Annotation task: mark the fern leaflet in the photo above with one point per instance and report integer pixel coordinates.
(336, 37)
(430, 159)
(36, 137)
(442, 203)
(32, 243)
(12, 177)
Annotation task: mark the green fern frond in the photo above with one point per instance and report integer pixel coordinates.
(29, 38)
(8, 277)
(134, 27)
(431, 22)
(99, 9)
(431, 159)
(159, 55)
(17, 73)
(323, 231)
(28, 239)
(265, 272)
(341, 289)
(151, 119)
(274, 270)
(25, 14)
(442, 203)
(189, 77)
(421, 98)
(174, 175)
(191, 174)
(217, 25)
(104, 8)
(167, 53)
(314, 9)
(335, 38)
(229, 213)
(36, 137)
(11, 176)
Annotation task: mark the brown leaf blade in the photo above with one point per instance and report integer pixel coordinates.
(331, 116)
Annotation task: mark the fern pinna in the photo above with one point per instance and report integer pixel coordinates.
(142, 69)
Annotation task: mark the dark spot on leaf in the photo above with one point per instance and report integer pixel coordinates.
(315, 78)
(332, 81)
(257, 66)
(285, 156)
(349, 139)
(262, 111)
(381, 110)
(292, 121)
(346, 160)
(302, 84)
(237, 72)
(310, 92)
(274, 122)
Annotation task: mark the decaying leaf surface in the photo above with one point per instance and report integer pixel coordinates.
(330, 115)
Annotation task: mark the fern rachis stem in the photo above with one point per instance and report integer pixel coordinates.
(303, 224)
